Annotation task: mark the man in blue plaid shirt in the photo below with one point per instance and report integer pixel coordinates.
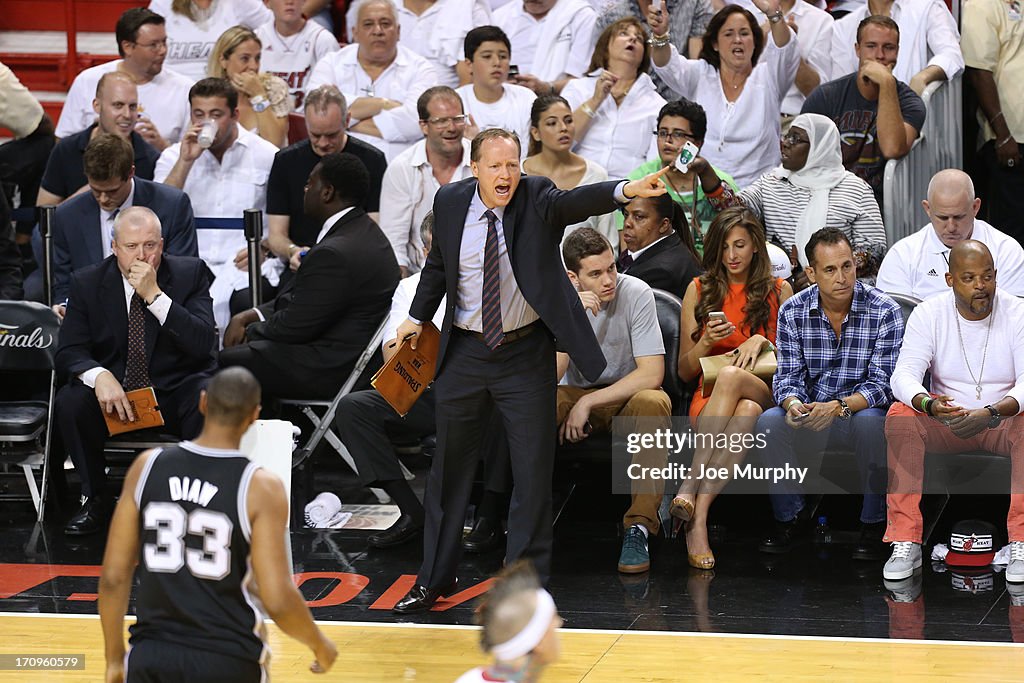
(837, 347)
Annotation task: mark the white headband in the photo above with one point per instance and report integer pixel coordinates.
(526, 640)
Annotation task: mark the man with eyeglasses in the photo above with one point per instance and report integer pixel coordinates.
(291, 232)
(380, 79)
(415, 175)
(163, 93)
(679, 122)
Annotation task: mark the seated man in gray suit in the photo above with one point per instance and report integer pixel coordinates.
(82, 225)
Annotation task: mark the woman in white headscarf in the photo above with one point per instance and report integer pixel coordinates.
(809, 191)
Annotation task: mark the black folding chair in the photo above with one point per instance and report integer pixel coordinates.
(28, 347)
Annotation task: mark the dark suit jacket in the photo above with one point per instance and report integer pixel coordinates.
(666, 265)
(320, 324)
(95, 331)
(76, 230)
(533, 224)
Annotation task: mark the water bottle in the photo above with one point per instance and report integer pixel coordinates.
(207, 134)
(822, 532)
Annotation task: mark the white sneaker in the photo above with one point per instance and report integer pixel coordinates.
(906, 557)
(1016, 591)
(1015, 570)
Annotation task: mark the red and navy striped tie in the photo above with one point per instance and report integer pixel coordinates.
(491, 306)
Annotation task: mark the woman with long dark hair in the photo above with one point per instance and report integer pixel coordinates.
(552, 130)
(738, 283)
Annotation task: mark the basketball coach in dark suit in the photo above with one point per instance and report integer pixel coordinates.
(305, 342)
(495, 256)
(82, 224)
(136, 319)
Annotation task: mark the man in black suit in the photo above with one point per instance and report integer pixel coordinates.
(654, 231)
(138, 318)
(307, 340)
(495, 257)
(82, 224)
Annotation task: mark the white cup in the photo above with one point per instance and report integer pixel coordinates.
(207, 134)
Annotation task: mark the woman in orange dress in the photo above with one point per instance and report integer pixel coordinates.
(737, 282)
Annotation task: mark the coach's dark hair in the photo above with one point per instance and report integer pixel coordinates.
(825, 236)
(347, 174)
(482, 34)
(429, 94)
(691, 111)
(108, 156)
(215, 87)
(231, 396)
(492, 134)
(127, 28)
(878, 20)
(580, 244)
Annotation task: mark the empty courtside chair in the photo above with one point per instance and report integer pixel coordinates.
(28, 345)
(321, 414)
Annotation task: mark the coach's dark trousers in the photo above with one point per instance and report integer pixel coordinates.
(517, 379)
(80, 418)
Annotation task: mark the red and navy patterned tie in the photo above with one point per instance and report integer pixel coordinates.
(491, 307)
(136, 373)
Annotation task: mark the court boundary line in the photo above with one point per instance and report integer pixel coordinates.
(598, 631)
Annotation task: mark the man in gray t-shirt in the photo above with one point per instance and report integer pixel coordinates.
(625, 322)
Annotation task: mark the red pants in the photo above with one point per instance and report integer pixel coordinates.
(911, 436)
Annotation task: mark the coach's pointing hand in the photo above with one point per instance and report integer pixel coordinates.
(650, 185)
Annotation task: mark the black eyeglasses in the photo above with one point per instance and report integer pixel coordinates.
(791, 139)
(676, 135)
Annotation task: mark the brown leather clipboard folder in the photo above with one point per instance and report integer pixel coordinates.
(146, 411)
(405, 377)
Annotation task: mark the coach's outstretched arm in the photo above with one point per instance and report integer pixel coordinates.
(268, 516)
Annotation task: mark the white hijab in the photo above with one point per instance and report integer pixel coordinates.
(823, 171)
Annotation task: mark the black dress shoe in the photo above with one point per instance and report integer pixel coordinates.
(785, 535)
(405, 529)
(420, 598)
(92, 518)
(485, 536)
(869, 545)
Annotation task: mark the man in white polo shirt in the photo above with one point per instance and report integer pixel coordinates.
(163, 93)
(379, 78)
(917, 265)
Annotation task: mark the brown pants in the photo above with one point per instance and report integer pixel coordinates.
(646, 495)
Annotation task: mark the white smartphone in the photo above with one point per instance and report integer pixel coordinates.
(656, 5)
(686, 156)
(717, 316)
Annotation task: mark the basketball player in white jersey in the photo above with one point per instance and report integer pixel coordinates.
(292, 46)
(206, 527)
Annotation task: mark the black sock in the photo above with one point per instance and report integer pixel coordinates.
(404, 497)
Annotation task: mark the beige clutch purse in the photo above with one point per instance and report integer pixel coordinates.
(764, 368)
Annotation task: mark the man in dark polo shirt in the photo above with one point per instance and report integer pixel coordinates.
(291, 233)
(117, 109)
